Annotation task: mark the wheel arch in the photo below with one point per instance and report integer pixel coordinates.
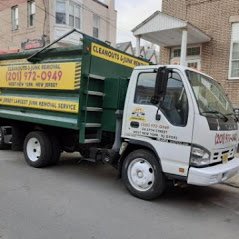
(134, 145)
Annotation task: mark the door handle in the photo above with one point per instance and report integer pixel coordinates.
(134, 124)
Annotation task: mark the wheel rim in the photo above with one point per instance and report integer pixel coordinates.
(141, 174)
(33, 149)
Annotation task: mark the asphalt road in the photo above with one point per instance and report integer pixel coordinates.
(85, 200)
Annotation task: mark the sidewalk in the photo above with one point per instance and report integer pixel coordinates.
(234, 181)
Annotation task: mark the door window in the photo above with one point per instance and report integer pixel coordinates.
(145, 88)
(174, 104)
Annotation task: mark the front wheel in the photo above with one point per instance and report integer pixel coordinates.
(142, 175)
(37, 149)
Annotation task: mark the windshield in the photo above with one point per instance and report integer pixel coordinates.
(209, 94)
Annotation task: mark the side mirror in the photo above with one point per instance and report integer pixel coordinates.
(160, 85)
(236, 113)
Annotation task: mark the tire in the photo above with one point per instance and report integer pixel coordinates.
(56, 150)
(2, 144)
(149, 182)
(37, 149)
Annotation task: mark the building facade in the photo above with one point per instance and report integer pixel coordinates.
(28, 24)
(219, 57)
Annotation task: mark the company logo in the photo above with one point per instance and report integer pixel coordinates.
(138, 114)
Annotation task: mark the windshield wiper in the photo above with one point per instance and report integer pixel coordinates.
(217, 113)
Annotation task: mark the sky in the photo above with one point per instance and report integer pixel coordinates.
(131, 13)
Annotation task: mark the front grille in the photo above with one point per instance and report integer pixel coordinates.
(218, 155)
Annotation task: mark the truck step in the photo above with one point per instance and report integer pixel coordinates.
(96, 109)
(96, 77)
(94, 93)
(91, 141)
(92, 125)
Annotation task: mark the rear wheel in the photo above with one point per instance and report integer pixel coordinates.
(37, 149)
(2, 144)
(142, 175)
(56, 149)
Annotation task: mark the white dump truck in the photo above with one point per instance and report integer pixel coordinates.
(165, 123)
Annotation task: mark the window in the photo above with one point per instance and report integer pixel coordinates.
(174, 105)
(176, 52)
(96, 26)
(60, 12)
(145, 88)
(209, 94)
(15, 19)
(234, 61)
(195, 64)
(191, 51)
(31, 12)
(74, 15)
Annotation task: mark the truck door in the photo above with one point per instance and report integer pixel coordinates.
(167, 126)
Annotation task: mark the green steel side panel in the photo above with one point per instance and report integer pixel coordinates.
(46, 117)
(115, 91)
(39, 117)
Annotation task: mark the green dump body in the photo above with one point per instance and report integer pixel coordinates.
(78, 88)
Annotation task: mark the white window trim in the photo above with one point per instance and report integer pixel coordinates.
(231, 48)
(198, 61)
(230, 61)
(29, 14)
(15, 26)
(98, 27)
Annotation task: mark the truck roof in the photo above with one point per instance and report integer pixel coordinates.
(179, 67)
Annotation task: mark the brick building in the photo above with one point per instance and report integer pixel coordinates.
(217, 55)
(220, 20)
(32, 24)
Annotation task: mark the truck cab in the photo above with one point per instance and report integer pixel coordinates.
(183, 120)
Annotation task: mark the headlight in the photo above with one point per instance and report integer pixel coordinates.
(199, 157)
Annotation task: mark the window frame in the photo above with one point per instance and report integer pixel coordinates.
(197, 61)
(188, 47)
(158, 105)
(75, 6)
(66, 13)
(96, 27)
(230, 77)
(15, 17)
(29, 13)
(141, 73)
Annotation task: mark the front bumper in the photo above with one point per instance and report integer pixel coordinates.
(214, 174)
